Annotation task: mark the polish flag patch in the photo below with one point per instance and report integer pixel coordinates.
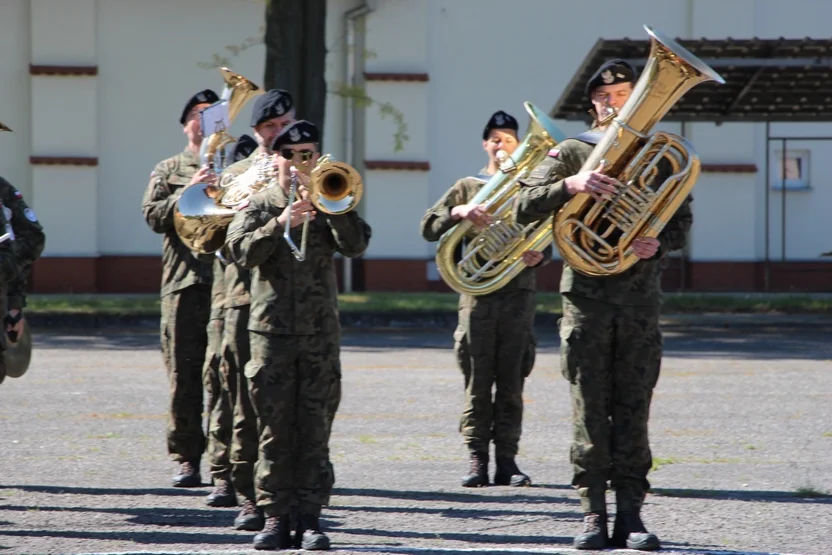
(554, 152)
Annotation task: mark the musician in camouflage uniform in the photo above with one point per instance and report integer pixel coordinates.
(24, 243)
(220, 374)
(186, 295)
(271, 113)
(611, 344)
(494, 341)
(295, 369)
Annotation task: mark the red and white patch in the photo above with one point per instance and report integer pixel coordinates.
(554, 152)
(18, 195)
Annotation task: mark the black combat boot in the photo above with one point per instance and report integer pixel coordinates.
(595, 534)
(508, 474)
(275, 535)
(250, 518)
(478, 473)
(188, 476)
(223, 494)
(309, 532)
(630, 532)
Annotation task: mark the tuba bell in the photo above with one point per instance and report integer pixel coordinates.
(491, 258)
(199, 220)
(334, 188)
(595, 237)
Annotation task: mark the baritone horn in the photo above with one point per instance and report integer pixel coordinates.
(200, 220)
(491, 258)
(595, 237)
(334, 188)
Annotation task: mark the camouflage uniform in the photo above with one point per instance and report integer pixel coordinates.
(295, 369)
(213, 376)
(235, 348)
(611, 346)
(494, 343)
(17, 253)
(186, 307)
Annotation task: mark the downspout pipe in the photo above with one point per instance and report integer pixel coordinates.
(352, 61)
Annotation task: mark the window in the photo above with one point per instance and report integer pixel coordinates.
(797, 170)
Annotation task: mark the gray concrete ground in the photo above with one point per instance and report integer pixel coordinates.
(741, 431)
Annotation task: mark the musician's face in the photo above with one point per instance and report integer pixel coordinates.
(193, 125)
(500, 139)
(612, 95)
(304, 155)
(266, 132)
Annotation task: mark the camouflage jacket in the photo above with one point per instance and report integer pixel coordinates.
(24, 246)
(287, 296)
(546, 194)
(181, 267)
(237, 277)
(437, 220)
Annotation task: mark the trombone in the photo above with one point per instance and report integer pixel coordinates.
(334, 188)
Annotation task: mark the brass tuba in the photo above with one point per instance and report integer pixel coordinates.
(491, 258)
(199, 220)
(595, 237)
(334, 188)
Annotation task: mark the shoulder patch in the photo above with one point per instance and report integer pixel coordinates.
(242, 205)
(554, 152)
(18, 195)
(30, 215)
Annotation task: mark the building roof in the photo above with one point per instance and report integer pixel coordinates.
(785, 80)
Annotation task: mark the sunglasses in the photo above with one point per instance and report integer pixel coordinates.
(302, 155)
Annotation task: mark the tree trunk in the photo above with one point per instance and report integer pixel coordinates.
(296, 54)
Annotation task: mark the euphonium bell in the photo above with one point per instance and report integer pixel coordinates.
(491, 258)
(595, 238)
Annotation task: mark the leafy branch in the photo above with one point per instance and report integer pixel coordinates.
(357, 94)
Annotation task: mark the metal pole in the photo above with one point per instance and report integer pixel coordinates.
(766, 185)
(783, 203)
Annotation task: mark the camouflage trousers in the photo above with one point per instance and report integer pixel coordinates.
(215, 382)
(243, 447)
(295, 383)
(611, 355)
(495, 348)
(184, 320)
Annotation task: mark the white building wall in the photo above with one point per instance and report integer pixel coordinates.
(126, 116)
(149, 66)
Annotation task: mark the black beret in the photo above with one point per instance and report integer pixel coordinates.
(243, 148)
(272, 104)
(202, 97)
(298, 133)
(611, 73)
(499, 120)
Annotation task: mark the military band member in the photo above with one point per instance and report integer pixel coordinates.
(295, 369)
(494, 340)
(186, 295)
(611, 344)
(23, 245)
(271, 113)
(219, 377)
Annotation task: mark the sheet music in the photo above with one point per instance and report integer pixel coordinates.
(215, 118)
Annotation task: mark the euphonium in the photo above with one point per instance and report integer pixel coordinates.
(334, 188)
(491, 258)
(595, 237)
(200, 221)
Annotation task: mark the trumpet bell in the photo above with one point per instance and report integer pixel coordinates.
(200, 221)
(18, 355)
(335, 188)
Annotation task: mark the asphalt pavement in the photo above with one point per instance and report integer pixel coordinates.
(741, 430)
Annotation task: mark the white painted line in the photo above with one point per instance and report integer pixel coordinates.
(402, 549)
